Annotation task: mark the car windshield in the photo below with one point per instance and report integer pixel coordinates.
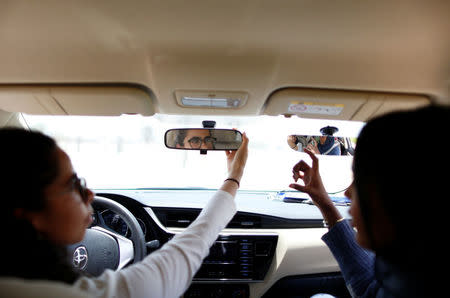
(128, 151)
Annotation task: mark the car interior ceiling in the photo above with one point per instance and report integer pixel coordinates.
(351, 60)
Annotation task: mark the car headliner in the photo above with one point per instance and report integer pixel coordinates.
(257, 47)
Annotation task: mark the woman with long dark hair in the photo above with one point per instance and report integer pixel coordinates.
(46, 206)
(399, 206)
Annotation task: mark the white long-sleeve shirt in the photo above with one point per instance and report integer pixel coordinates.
(167, 272)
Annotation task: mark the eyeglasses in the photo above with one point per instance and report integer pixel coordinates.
(80, 184)
(196, 142)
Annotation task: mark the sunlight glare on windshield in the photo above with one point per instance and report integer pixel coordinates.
(129, 152)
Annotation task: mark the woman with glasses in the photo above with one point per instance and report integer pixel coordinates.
(46, 206)
(195, 139)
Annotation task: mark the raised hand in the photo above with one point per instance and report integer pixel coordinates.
(313, 186)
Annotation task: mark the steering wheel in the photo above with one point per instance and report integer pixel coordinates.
(102, 248)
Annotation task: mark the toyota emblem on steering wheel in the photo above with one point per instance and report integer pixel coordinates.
(80, 257)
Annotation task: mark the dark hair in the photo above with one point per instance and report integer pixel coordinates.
(403, 156)
(29, 164)
(181, 135)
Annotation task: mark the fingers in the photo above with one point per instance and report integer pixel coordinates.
(237, 159)
(310, 153)
(301, 166)
(243, 149)
(297, 176)
(310, 176)
(244, 139)
(315, 160)
(297, 187)
(230, 153)
(244, 146)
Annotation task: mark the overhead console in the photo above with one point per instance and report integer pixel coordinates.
(338, 104)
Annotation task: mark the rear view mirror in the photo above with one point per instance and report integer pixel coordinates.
(324, 145)
(203, 139)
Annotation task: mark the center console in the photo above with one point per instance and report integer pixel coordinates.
(235, 259)
(244, 258)
(233, 262)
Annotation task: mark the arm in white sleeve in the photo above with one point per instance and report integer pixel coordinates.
(168, 271)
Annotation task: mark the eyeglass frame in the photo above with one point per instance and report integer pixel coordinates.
(80, 184)
(202, 141)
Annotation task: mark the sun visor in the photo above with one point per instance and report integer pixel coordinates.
(337, 104)
(79, 99)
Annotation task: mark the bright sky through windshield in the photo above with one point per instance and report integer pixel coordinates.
(129, 151)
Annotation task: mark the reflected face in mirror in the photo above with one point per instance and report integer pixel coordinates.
(203, 139)
(195, 139)
(325, 145)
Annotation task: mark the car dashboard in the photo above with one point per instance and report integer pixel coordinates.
(268, 246)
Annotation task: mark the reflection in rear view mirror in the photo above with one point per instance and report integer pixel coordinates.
(323, 145)
(203, 139)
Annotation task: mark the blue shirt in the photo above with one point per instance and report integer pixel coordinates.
(368, 275)
(327, 145)
(357, 264)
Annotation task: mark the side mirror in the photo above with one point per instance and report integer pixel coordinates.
(203, 139)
